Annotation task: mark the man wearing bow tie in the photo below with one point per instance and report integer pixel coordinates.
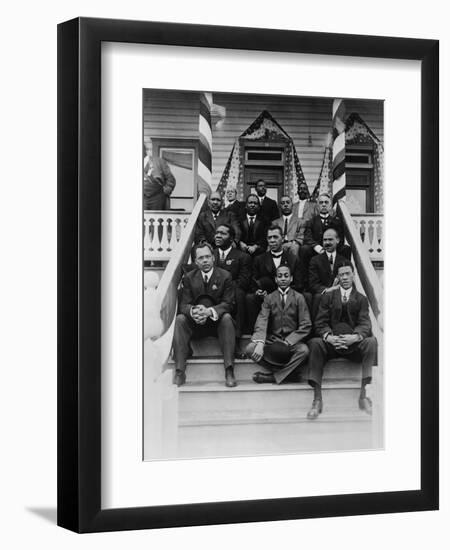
(323, 268)
(280, 331)
(210, 219)
(343, 329)
(313, 236)
(264, 272)
(239, 265)
(206, 303)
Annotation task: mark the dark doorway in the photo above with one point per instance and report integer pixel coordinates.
(272, 175)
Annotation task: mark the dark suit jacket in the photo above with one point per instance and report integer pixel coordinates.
(314, 229)
(238, 209)
(263, 267)
(320, 274)
(269, 210)
(239, 265)
(259, 233)
(220, 289)
(158, 185)
(330, 310)
(206, 226)
(292, 323)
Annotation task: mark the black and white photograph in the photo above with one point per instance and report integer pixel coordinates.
(263, 259)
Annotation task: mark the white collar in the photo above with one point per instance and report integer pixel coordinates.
(208, 274)
(277, 254)
(284, 292)
(288, 217)
(331, 254)
(249, 216)
(345, 292)
(224, 252)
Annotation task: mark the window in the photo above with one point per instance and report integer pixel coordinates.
(359, 179)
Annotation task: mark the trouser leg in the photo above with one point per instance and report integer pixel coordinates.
(227, 338)
(305, 254)
(181, 340)
(240, 311)
(318, 355)
(300, 354)
(368, 352)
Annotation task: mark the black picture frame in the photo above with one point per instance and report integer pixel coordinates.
(79, 274)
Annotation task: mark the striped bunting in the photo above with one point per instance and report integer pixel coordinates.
(205, 144)
(338, 165)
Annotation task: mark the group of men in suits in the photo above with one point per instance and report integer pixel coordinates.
(283, 275)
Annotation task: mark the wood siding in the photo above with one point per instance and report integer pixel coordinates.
(174, 114)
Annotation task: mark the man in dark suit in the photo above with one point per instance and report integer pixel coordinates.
(159, 181)
(252, 228)
(269, 208)
(206, 303)
(291, 226)
(343, 329)
(211, 218)
(264, 272)
(233, 205)
(283, 322)
(239, 265)
(313, 235)
(323, 268)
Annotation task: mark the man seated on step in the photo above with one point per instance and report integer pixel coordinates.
(252, 228)
(264, 272)
(313, 234)
(292, 227)
(232, 204)
(207, 299)
(212, 217)
(342, 329)
(323, 269)
(239, 265)
(280, 331)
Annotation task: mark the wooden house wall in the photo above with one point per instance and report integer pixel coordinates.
(174, 114)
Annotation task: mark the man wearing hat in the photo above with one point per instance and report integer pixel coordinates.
(343, 329)
(280, 331)
(264, 271)
(207, 300)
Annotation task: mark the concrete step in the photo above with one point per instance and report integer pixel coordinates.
(209, 401)
(206, 369)
(275, 438)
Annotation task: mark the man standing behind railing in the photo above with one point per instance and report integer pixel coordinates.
(207, 300)
(159, 181)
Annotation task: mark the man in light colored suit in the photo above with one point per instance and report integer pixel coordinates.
(291, 226)
(305, 208)
(284, 323)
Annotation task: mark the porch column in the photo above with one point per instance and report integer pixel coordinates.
(204, 167)
(338, 167)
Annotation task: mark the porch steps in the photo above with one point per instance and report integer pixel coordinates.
(254, 419)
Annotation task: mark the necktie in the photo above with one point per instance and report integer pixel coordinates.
(283, 299)
(331, 260)
(251, 223)
(205, 283)
(344, 298)
(285, 227)
(222, 255)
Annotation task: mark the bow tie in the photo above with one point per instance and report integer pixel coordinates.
(277, 254)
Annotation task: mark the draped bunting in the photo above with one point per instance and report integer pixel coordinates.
(264, 128)
(356, 131)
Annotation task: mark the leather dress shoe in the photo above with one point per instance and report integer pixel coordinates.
(263, 378)
(365, 404)
(240, 355)
(230, 380)
(315, 410)
(179, 378)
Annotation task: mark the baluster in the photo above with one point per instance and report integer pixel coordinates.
(380, 236)
(173, 234)
(147, 239)
(155, 239)
(164, 237)
(371, 233)
(362, 231)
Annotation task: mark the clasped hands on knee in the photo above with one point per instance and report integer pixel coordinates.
(200, 314)
(342, 341)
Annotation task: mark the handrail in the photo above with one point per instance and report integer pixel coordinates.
(363, 264)
(166, 292)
